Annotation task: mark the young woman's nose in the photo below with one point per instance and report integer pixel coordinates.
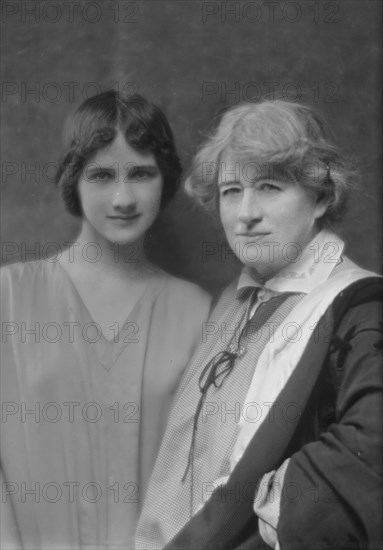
(123, 196)
(249, 208)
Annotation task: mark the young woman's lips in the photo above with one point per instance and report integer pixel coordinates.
(124, 219)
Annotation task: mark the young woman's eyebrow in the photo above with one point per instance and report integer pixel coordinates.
(133, 166)
(94, 168)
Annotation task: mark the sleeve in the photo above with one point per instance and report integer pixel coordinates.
(267, 504)
(10, 538)
(332, 490)
(9, 535)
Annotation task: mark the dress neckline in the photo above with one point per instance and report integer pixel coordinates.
(107, 350)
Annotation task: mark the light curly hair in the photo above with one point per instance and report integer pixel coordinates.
(291, 139)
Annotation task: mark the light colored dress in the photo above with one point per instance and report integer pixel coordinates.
(83, 416)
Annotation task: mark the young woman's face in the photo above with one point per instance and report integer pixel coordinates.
(120, 192)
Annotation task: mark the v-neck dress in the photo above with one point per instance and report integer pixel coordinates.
(82, 415)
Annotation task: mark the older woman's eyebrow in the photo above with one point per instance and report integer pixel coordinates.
(223, 183)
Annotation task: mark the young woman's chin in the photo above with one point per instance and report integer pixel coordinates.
(124, 241)
(115, 232)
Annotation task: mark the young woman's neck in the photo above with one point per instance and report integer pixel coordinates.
(98, 254)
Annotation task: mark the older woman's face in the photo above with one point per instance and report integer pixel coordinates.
(267, 222)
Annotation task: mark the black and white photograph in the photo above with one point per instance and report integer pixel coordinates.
(191, 275)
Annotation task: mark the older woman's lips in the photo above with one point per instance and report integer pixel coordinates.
(250, 235)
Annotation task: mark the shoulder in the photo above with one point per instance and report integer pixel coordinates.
(356, 340)
(182, 303)
(355, 315)
(225, 300)
(183, 293)
(23, 272)
(180, 308)
(347, 293)
(360, 303)
(26, 282)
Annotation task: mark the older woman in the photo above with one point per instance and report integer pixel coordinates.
(275, 436)
(94, 341)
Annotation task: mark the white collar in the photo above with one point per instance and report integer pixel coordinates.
(312, 268)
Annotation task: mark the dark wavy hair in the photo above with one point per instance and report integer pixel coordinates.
(94, 125)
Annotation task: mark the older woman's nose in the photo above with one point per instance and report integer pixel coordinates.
(249, 208)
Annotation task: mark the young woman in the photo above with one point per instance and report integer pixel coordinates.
(95, 342)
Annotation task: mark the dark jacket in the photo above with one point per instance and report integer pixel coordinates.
(332, 492)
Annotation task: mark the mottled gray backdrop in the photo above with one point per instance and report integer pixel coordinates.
(193, 58)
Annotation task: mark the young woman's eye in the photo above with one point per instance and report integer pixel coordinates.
(100, 176)
(140, 174)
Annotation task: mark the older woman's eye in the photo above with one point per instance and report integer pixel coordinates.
(230, 191)
(269, 187)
